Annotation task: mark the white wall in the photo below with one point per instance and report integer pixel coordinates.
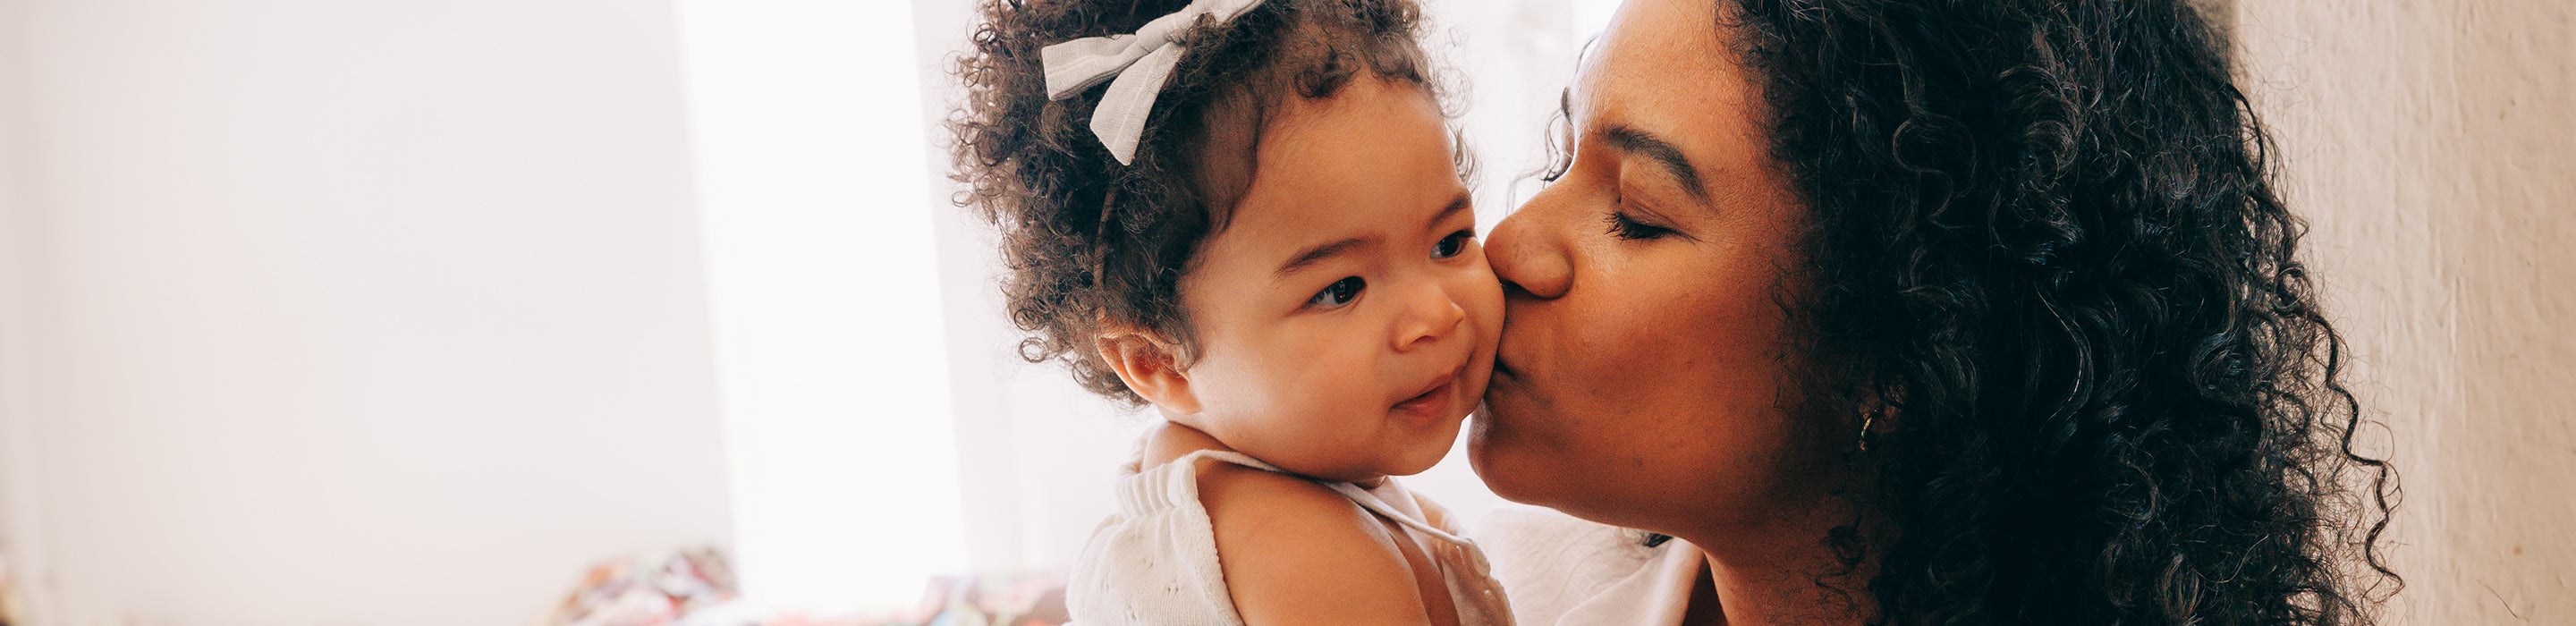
(16, 365)
(813, 191)
(1038, 456)
(2428, 144)
(350, 312)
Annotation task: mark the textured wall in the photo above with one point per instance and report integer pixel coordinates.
(348, 313)
(2428, 143)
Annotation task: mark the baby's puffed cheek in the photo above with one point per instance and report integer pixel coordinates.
(1489, 338)
(1490, 294)
(1481, 294)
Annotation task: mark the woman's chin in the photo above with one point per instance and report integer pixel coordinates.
(1509, 469)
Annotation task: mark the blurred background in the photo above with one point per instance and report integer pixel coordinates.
(469, 312)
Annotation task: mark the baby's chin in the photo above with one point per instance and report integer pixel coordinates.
(1394, 449)
(1419, 457)
(1411, 458)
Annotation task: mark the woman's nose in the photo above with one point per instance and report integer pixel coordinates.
(1527, 252)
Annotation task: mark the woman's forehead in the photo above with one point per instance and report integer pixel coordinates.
(1662, 67)
(1656, 36)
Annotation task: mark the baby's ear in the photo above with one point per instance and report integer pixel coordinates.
(1150, 366)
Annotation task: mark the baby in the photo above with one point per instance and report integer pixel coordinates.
(1250, 215)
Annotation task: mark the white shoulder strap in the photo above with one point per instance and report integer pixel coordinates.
(1379, 506)
(1230, 456)
(1357, 495)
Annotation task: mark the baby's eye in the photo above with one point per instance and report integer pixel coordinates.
(1452, 245)
(1339, 293)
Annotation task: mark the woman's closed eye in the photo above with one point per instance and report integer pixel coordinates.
(1452, 245)
(1339, 293)
(1625, 227)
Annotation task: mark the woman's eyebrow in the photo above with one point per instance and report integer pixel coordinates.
(1633, 141)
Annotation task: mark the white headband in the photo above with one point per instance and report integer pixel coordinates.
(1141, 62)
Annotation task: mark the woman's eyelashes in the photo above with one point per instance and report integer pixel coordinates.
(1339, 293)
(1625, 227)
(1452, 245)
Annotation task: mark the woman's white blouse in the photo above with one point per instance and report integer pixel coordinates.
(1565, 571)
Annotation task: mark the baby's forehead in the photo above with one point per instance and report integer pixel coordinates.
(1365, 146)
(1264, 137)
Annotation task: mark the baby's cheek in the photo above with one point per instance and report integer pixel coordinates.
(1313, 398)
(1490, 322)
(1482, 296)
(1321, 436)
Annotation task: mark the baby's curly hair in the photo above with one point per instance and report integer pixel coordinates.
(1094, 245)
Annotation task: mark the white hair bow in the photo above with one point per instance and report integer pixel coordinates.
(1141, 63)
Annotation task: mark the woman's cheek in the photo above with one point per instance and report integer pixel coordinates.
(1629, 329)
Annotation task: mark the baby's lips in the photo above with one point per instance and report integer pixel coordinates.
(1445, 381)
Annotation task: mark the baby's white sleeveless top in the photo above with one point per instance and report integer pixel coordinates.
(1154, 562)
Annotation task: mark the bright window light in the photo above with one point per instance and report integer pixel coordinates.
(811, 161)
(1591, 16)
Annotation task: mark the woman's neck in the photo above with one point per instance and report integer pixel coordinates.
(1785, 570)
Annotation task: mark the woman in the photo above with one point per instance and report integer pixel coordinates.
(1916, 313)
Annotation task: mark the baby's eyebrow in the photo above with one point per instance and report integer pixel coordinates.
(1461, 203)
(1317, 254)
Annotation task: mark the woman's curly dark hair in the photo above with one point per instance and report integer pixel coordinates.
(2047, 239)
(1091, 243)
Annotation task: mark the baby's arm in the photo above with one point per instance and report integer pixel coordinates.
(1295, 552)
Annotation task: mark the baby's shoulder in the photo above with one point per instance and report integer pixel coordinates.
(1250, 499)
(1295, 551)
(1291, 549)
(1237, 494)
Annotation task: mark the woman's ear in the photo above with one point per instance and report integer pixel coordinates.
(1150, 367)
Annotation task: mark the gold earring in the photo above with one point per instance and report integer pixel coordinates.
(1866, 419)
